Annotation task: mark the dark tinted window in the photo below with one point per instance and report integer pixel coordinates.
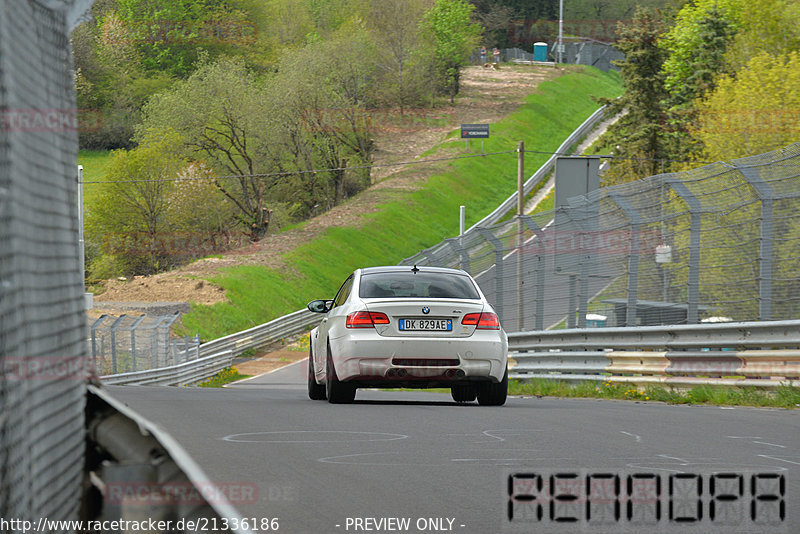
(343, 293)
(406, 284)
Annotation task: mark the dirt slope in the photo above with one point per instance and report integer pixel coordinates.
(487, 96)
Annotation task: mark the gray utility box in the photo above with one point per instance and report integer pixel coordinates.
(575, 218)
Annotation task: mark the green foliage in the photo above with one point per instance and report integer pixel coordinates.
(168, 34)
(640, 132)
(754, 112)
(403, 68)
(226, 376)
(452, 38)
(786, 396)
(696, 45)
(222, 116)
(129, 220)
(407, 221)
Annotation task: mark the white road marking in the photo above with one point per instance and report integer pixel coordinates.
(770, 444)
(754, 438)
(638, 438)
(237, 438)
(779, 459)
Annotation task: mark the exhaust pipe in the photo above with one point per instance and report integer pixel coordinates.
(455, 373)
(391, 373)
(401, 373)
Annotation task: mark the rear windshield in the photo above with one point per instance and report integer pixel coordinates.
(409, 285)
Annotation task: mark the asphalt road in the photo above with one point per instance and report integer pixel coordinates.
(443, 467)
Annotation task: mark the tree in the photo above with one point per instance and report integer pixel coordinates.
(402, 77)
(222, 116)
(640, 132)
(169, 34)
(130, 220)
(754, 112)
(697, 55)
(453, 38)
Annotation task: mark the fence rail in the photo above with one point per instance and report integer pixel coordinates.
(757, 354)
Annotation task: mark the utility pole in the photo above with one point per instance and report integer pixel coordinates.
(560, 29)
(520, 232)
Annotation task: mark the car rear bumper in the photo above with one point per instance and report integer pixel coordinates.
(378, 360)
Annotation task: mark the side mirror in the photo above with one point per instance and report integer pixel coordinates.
(319, 306)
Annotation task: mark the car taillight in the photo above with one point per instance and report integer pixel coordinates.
(484, 321)
(365, 319)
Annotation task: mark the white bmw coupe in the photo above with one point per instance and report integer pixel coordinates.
(404, 327)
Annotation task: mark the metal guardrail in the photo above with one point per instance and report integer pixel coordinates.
(262, 335)
(759, 354)
(183, 374)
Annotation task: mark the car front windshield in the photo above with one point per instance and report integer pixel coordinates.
(407, 284)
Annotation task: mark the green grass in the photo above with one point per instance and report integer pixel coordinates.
(226, 376)
(406, 221)
(782, 397)
(95, 163)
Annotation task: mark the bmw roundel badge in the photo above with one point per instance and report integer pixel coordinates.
(426, 310)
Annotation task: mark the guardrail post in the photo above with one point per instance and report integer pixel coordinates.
(114, 327)
(695, 210)
(765, 245)
(132, 329)
(633, 256)
(498, 279)
(539, 270)
(458, 248)
(95, 324)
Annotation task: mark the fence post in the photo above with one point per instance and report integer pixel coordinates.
(633, 256)
(114, 327)
(132, 329)
(459, 249)
(498, 262)
(540, 273)
(765, 245)
(155, 364)
(95, 324)
(168, 325)
(695, 210)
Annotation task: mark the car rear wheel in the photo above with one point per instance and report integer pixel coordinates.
(315, 391)
(463, 393)
(337, 392)
(494, 394)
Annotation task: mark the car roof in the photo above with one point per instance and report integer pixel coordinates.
(407, 268)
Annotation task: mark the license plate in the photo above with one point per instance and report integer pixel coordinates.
(426, 325)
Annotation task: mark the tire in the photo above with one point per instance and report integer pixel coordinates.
(494, 394)
(337, 392)
(463, 393)
(315, 391)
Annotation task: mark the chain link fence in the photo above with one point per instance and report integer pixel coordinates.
(130, 343)
(717, 243)
(43, 357)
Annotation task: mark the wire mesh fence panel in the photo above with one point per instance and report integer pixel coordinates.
(129, 343)
(720, 242)
(43, 357)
